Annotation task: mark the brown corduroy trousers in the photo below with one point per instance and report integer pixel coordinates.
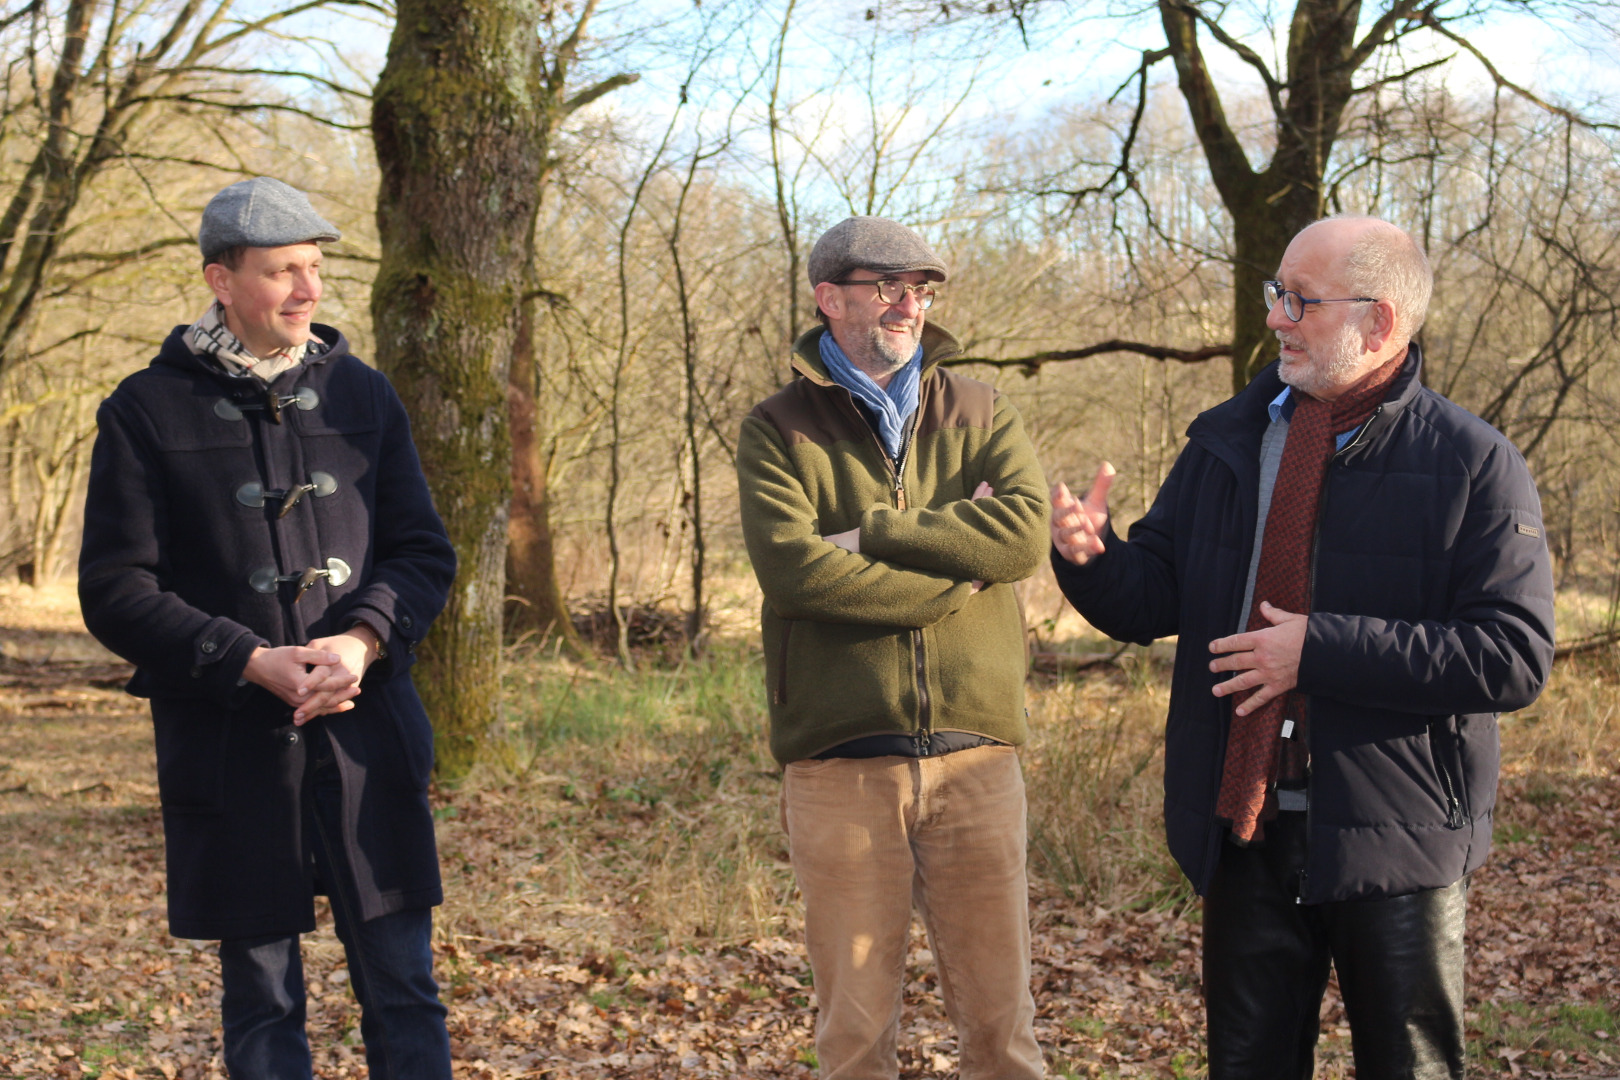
(870, 837)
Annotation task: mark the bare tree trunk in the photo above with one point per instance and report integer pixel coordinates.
(455, 119)
(50, 559)
(697, 615)
(621, 364)
(531, 558)
(786, 217)
(1308, 103)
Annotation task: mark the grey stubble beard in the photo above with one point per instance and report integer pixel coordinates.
(882, 354)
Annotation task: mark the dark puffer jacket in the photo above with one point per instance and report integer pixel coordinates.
(1432, 612)
(182, 529)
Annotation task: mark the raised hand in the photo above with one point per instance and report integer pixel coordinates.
(1077, 524)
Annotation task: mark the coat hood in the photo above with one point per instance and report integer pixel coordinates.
(177, 354)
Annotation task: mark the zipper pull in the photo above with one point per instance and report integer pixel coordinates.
(924, 744)
(899, 496)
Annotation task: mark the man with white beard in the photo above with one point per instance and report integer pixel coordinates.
(888, 506)
(1364, 561)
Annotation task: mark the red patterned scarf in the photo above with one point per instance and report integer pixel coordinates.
(1284, 580)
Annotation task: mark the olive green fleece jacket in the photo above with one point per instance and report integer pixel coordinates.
(893, 639)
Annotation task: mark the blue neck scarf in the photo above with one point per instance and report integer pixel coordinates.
(891, 407)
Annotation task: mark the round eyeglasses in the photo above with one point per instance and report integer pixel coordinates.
(892, 291)
(1294, 304)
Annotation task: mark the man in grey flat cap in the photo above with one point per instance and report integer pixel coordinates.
(260, 543)
(888, 505)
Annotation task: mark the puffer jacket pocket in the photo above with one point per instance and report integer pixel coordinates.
(1448, 770)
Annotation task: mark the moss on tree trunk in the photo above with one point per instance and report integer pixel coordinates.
(454, 120)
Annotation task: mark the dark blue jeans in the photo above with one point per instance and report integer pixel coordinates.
(390, 968)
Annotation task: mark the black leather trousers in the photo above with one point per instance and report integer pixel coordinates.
(1266, 957)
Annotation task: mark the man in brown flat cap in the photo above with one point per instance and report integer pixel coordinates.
(888, 506)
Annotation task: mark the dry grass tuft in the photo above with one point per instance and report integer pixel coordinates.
(1095, 769)
(649, 798)
(1574, 729)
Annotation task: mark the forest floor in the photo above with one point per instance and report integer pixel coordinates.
(576, 942)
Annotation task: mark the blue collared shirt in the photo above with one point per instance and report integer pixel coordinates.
(1282, 408)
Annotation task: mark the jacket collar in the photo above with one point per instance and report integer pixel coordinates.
(938, 344)
(1232, 430)
(176, 353)
(1405, 390)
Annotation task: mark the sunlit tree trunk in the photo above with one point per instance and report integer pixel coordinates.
(531, 558)
(1268, 206)
(454, 120)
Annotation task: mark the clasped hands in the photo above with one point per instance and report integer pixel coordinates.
(1265, 661)
(319, 678)
(850, 539)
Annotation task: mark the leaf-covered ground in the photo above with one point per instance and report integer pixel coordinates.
(90, 984)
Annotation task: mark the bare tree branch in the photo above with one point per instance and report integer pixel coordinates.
(1032, 364)
(600, 90)
(1428, 18)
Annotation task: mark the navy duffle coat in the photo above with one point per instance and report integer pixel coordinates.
(183, 544)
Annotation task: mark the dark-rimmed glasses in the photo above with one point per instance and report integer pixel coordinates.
(1294, 304)
(892, 291)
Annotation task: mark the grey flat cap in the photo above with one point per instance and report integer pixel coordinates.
(871, 243)
(262, 212)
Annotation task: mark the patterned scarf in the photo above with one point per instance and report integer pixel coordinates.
(1284, 579)
(209, 336)
(891, 405)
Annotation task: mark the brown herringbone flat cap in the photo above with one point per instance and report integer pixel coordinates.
(871, 243)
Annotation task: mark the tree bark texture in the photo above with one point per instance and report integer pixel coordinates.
(1268, 206)
(454, 120)
(531, 557)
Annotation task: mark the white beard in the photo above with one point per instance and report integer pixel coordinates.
(1334, 372)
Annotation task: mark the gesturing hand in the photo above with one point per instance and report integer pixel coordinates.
(1267, 660)
(1077, 524)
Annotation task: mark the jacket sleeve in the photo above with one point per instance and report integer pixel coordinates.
(1131, 592)
(123, 565)
(806, 577)
(413, 562)
(1000, 538)
(1493, 654)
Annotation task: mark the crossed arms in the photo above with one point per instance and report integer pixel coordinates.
(913, 567)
